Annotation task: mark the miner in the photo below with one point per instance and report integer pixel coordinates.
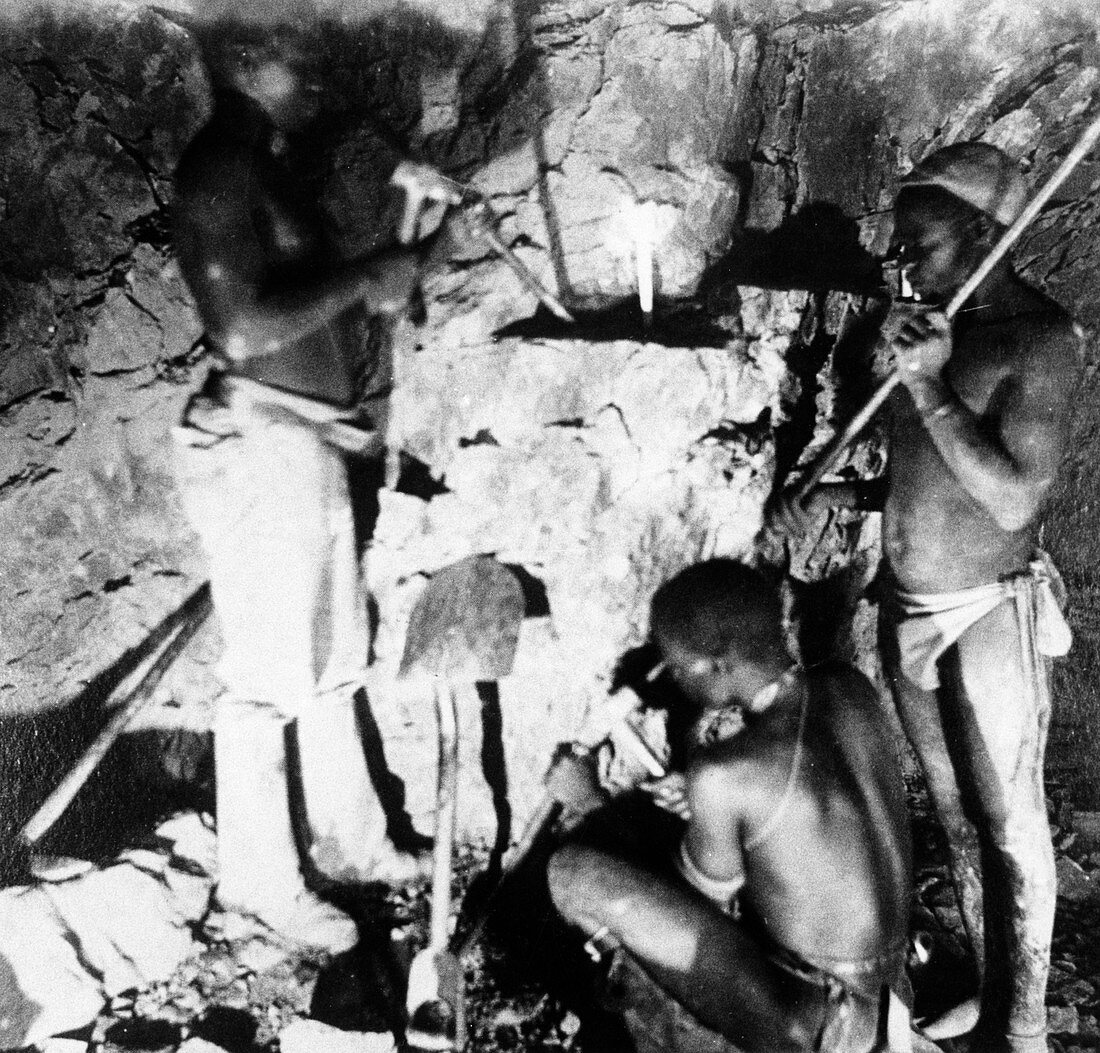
(969, 613)
(262, 475)
(775, 913)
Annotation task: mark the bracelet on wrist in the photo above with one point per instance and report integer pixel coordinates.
(935, 400)
(939, 410)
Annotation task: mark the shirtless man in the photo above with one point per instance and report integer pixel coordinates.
(777, 915)
(265, 487)
(976, 434)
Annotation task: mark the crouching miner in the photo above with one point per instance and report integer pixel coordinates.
(775, 918)
(263, 479)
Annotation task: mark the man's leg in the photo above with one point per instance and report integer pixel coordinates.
(241, 498)
(1004, 714)
(923, 719)
(258, 865)
(980, 740)
(347, 823)
(699, 955)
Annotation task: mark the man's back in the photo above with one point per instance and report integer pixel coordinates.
(817, 800)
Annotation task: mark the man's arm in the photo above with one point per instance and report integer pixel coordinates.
(246, 309)
(1008, 461)
(710, 857)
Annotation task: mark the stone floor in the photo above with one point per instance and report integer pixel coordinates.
(243, 997)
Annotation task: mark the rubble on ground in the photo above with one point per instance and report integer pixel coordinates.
(182, 988)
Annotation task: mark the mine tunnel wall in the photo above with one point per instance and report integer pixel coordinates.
(768, 136)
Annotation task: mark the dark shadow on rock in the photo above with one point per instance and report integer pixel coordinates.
(493, 765)
(674, 325)
(482, 890)
(364, 988)
(389, 786)
(233, 1030)
(536, 601)
(816, 249)
(149, 1036)
(415, 478)
(365, 480)
(822, 610)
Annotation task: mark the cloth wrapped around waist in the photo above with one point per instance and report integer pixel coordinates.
(927, 624)
(211, 413)
(852, 1019)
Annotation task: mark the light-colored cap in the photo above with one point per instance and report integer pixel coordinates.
(977, 173)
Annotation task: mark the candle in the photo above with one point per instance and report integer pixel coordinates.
(644, 237)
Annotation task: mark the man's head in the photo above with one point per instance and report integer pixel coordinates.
(274, 60)
(718, 626)
(951, 209)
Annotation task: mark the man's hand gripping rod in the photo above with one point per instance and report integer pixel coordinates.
(832, 453)
(424, 187)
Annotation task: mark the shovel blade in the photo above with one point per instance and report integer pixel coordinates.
(465, 624)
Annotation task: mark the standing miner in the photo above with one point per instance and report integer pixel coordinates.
(969, 613)
(265, 486)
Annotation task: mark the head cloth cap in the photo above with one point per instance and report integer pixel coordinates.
(977, 173)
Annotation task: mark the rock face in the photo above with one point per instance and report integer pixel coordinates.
(766, 141)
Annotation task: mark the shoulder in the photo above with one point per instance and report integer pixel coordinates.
(848, 701)
(1044, 335)
(718, 777)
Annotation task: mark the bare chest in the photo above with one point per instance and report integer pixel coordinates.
(287, 224)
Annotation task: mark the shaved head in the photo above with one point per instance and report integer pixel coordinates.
(717, 609)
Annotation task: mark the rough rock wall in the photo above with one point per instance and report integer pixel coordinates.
(96, 341)
(769, 138)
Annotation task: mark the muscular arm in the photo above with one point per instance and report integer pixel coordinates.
(1007, 458)
(246, 307)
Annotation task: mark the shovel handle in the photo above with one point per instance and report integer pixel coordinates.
(445, 817)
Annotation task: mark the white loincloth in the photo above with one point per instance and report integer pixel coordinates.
(931, 622)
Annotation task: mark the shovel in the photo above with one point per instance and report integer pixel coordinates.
(463, 629)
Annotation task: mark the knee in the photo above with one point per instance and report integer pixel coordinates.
(1025, 843)
(577, 887)
(565, 876)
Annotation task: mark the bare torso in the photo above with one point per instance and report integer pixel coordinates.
(246, 229)
(830, 878)
(1015, 374)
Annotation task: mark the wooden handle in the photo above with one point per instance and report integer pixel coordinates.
(193, 612)
(481, 221)
(832, 453)
(445, 818)
(545, 813)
